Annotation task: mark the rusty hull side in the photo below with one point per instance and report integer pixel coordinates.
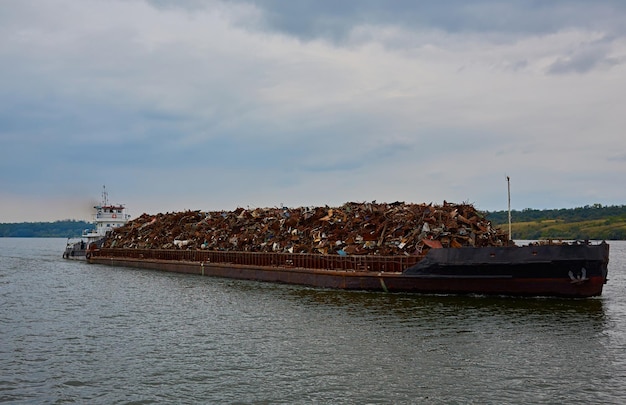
(338, 279)
(373, 281)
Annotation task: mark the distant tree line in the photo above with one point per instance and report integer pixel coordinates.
(588, 222)
(57, 229)
(613, 226)
(586, 213)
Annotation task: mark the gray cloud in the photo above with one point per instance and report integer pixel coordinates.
(585, 57)
(211, 104)
(311, 19)
(617, 158)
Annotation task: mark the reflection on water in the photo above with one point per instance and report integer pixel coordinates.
(412, 304)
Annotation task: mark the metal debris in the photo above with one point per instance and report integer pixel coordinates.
(352, 229)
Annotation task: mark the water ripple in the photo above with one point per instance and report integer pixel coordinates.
(75, 333)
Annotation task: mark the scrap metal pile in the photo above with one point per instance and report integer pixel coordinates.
(352, 229)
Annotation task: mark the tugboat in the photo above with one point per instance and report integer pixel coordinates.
(107, 217)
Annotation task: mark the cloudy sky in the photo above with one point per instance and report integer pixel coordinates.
(209, 105)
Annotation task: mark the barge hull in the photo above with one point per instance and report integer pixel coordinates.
(503, 284)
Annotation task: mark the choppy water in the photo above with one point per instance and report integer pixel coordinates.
(77, 333)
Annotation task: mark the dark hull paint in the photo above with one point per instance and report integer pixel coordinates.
(554, 270)
(81, 250)
(75, 254)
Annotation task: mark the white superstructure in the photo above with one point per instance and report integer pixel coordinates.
(107, 217)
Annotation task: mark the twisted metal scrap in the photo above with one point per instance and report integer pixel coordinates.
(354, 228)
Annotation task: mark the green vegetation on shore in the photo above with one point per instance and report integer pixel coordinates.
(58, 229)
(588, 222)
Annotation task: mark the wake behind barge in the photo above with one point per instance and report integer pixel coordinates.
(574, 270)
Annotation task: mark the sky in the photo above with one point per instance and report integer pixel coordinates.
(180, 105)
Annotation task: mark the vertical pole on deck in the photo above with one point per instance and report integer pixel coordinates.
(508, 183)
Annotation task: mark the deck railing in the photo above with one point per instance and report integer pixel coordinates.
(299, 260)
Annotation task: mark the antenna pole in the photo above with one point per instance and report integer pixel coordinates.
(508, 183)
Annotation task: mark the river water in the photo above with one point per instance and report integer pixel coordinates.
(71, 332)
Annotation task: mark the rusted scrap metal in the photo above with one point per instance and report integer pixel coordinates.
(353, 229)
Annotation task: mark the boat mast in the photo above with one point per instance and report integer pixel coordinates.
(508, 183)
(105, 196)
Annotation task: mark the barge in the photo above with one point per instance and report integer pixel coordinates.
(575, 270)
(449, 249)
